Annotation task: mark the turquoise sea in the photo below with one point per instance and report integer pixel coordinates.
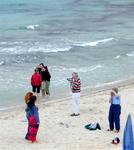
(92, 37)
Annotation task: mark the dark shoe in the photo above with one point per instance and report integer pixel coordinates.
(72, 115)
(109, 130)
(47, 93)
(26, 138)
(98, 126)
(77, 114)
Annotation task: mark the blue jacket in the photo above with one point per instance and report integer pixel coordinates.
(33, 111)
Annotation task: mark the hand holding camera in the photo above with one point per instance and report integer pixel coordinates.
(69, 79)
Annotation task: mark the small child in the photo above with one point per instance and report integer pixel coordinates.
(33, 119)
(114, 110)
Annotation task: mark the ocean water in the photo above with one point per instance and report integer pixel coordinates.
(92, 37)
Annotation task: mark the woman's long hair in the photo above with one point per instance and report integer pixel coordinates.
(28, 97)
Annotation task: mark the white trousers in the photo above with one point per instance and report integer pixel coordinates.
(76, 103)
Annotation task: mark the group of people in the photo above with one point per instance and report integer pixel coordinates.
(75, 84)
(40, 80)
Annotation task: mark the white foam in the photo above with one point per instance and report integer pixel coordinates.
(117, 57)
(96, 67)
(12, 50)
(108, 83)
(2, 63)
(3, 43)
(82, 69)
(115, 83)
(20, 47)
(10, 43)
(46, 50)
(130, 54)
(32, 27)
(95, 43)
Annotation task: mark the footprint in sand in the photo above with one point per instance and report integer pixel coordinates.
(5, 118)
(65, 125)
(61, 124)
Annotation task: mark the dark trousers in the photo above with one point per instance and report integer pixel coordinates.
(114, 116)
(36, 89)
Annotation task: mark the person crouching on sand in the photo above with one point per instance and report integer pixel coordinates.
(33, 119)
(114, 110)
(36, 81)
(75, 84)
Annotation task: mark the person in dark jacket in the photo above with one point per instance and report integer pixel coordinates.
(47, 78)
(33, 119)
(39, 67)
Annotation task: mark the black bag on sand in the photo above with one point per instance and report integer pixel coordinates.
(93, 126)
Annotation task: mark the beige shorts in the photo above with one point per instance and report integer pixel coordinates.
(43, 85)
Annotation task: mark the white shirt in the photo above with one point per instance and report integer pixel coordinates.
(116, 100)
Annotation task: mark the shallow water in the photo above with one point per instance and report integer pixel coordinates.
(94, 38)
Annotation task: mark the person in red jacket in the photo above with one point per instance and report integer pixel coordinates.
(36, 81)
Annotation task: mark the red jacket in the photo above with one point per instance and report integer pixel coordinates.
(36, 79)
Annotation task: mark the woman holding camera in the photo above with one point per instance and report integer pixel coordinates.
(75, 83)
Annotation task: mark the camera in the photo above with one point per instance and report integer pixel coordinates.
(69, 79)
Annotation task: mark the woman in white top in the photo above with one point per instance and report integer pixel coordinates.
(114, 110)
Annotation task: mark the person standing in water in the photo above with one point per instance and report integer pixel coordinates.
(39, 67)
(75, 84)
(36, 81)
(47, 78)
(43, 85)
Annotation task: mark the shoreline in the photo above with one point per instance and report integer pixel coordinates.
(85, 92)
(59, 131)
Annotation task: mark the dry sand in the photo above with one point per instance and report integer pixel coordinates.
(59, 131)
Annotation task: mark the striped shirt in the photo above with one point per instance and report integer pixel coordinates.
(76, 85)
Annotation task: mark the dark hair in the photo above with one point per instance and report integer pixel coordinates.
(28, 97)
(32, 101)
(46, 68)
(36, 70)
(41, 64)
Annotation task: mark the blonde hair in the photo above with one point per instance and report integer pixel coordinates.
(75, 74)
(28, 97)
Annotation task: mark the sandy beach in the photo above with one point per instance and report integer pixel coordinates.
(59, 131)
